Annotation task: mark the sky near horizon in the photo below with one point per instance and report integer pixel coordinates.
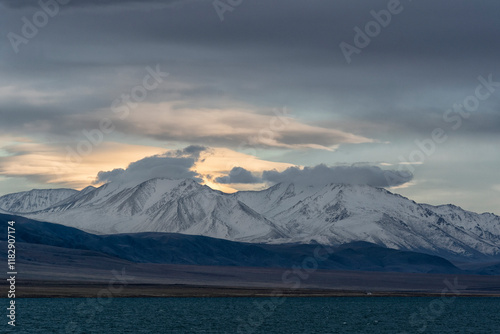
(241, 94)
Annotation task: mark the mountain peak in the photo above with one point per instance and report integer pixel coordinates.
(34, 200)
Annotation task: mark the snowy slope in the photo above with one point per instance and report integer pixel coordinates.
(337, 213)
(34, 200)
(161, 205)
(285, 213)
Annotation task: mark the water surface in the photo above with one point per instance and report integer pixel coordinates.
(258, 315)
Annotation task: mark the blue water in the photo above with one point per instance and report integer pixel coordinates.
(257, 315)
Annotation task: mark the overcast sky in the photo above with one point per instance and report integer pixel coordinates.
(241, 94)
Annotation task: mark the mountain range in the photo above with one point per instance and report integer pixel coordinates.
(47, 243)
(286, 213)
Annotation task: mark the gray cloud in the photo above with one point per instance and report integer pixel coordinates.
(238, 175)
(192, 151)
(322, 174)
(110, 176)
(159, 166)
(398, 80)
(83, 3)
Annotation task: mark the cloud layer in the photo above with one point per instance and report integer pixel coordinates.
(321, 175)
(172, 165)
(48, 165)
(238, 175)
(36, 3)
(234, 128)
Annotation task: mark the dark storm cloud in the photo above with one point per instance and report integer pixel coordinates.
(269, 54)
(322, 174)
(238, 175)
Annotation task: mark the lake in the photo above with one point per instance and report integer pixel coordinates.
(258, 315)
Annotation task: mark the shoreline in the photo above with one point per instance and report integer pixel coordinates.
(92, 290)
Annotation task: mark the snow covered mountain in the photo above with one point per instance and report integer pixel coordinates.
(337, 213)
(34, 200)
(285, 213)
(161, 205)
